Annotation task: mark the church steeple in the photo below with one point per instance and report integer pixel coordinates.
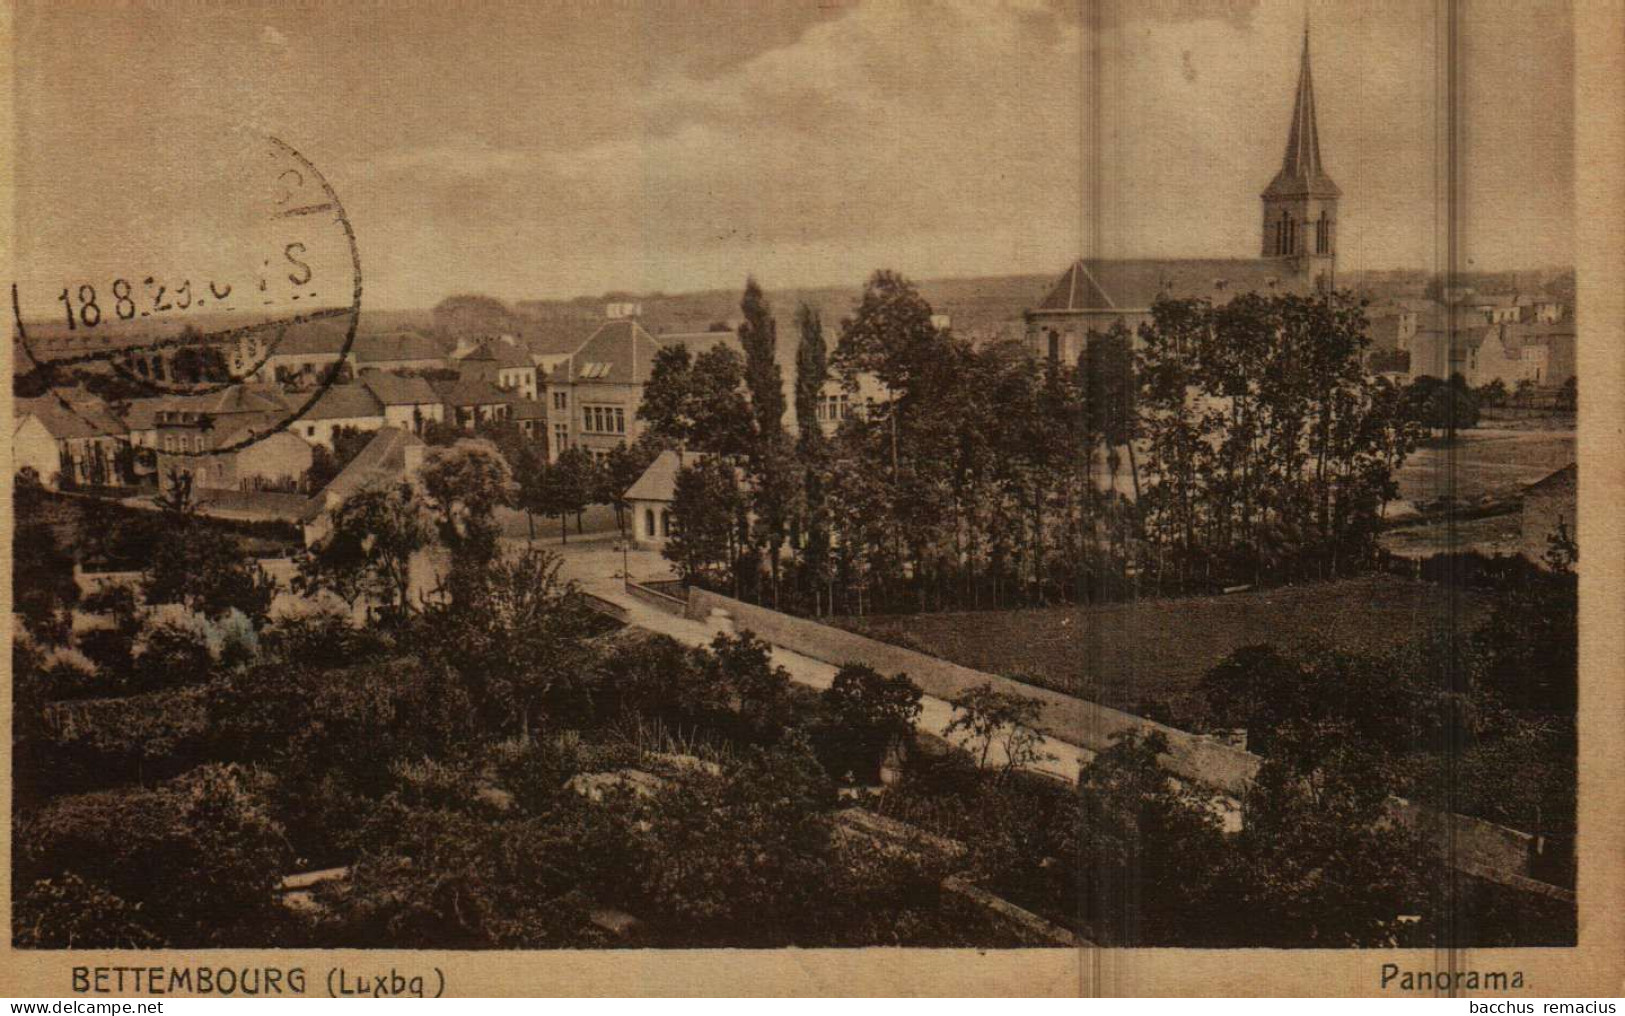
(1301, 172)
(1300, 204)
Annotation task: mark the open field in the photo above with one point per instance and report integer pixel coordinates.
(1496, 534)
(1124, 655)
(1485, 463)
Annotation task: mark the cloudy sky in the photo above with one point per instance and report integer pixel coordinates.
(535, 150)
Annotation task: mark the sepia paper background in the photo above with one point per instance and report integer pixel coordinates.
(1595, 967)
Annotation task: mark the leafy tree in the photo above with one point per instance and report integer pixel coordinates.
(43, 588)
(568, 487)
(1568, 394)
(743, 664)
(519, 639)
(706, 508)
(326, 464)
(368, 549)
(624, 464)
(1492, 393)
(1144, 852)
(758, 335)
(1443, 405)
(465, 484)
(890, 334)
(812, 369)
(990, 717)
(868, 714)
(201, 567)
(668, 407)
(1318, 862)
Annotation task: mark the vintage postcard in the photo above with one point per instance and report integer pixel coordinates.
(725, 496)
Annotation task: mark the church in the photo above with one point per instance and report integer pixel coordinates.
(1298, 253)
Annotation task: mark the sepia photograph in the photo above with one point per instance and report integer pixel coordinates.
(1058, 475)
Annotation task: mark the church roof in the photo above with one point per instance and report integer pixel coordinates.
(1137, 283)
(1302, 174)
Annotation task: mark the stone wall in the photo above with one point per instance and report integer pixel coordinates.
(1075, 721)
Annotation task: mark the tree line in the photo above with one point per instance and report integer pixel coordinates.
(1215, 445)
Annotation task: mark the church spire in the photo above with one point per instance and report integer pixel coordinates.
(1301, 171)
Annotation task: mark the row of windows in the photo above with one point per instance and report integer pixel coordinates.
(834, 407)
(183, 442)
(649, 522)
(1286, 235)
(603, 419)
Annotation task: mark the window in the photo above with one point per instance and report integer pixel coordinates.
(561, 437)
(665, 522)
(561, 400)
(649, 521)
(603, 419)
(1054, 346)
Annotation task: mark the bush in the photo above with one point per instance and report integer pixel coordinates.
(192, 864)
(176, 647)
(866, 715)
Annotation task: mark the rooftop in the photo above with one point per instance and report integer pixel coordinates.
(381, 460)
(394, 390)
(1137, 283)
(65, 420)
(344, 402)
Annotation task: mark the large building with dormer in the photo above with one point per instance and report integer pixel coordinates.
(1297, 253)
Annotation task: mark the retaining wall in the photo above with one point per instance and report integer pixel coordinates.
(1481, 848)
(1075, 721)
(656, 599)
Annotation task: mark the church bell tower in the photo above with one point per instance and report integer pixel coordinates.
(1300, 204)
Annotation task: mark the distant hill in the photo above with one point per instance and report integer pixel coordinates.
(982, 308)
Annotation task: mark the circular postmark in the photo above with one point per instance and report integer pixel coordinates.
(248, 329)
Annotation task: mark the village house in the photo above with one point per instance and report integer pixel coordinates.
(594, 395)
(247, 460)
(1479, 353)
(530, 416)
(410, 403)
(551, 342)
(69, 442)
(351, 406)
(500, 362)
(392, 455)
(1498, 308)
(1556, 338)
(304, 354)
(397, 351)
(837, 402)
(230, 440)
(468, 402)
